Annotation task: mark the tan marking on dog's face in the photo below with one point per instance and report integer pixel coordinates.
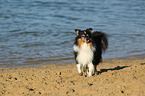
(80, 42)
(90, 44)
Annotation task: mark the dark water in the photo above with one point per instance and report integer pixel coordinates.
(36, 32)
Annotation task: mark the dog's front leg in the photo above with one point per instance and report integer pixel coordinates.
(79, 66)
(91, 68)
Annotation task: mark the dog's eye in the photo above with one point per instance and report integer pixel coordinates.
(83, 36)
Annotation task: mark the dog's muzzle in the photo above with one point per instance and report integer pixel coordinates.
(87, 40)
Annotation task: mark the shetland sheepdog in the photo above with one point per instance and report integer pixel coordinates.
(88, 48)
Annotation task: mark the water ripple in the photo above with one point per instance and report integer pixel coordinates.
(44, 29)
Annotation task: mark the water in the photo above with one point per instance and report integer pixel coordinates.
(36, 32)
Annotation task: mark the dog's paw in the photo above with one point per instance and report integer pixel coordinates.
(96, 73)
(80, 74)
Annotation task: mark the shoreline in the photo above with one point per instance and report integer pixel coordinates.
(57, 61)
(118, 77)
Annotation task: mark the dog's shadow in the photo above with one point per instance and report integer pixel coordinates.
(112, 69)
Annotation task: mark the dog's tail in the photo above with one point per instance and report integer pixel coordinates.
(101, 39)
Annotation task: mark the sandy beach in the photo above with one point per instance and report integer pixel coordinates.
(118, 77)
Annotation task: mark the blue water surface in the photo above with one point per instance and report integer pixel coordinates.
(42, 31)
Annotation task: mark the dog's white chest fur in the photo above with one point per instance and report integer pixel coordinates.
(85, 54)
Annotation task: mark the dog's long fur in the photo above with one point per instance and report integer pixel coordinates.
(88, 48)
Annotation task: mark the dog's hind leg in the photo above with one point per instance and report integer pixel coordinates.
(79, 67)
(96, 70)
(91, 68)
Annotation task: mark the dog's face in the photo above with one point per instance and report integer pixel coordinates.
(84, 36)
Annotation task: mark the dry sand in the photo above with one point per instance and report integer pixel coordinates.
(118, 77)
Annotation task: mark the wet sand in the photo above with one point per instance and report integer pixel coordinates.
(118, 77)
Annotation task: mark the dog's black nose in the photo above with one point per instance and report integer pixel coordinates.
(88, 39)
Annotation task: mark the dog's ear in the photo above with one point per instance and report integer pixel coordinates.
(77, 31)
(90, 29)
